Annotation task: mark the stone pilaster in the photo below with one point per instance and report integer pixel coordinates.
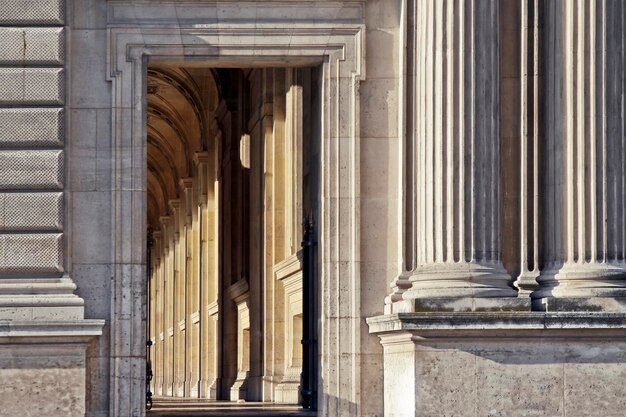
(157, 329)
(585, 211)
(453, 158)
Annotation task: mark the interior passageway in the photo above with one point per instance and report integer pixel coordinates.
(232, 175)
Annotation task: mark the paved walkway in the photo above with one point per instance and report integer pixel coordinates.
(189, 407)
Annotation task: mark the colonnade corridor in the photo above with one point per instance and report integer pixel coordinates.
(232, 189)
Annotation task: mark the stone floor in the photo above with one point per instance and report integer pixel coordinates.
(185, 407)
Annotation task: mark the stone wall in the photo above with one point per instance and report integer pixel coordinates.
(472, 157)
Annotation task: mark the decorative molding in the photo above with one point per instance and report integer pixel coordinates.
(237, 289)
(289, 266)
(213, 309)
(29, 331)
(195, 317)
(240, 13)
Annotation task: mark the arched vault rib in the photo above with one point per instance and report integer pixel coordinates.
(180, 104)
(164, 139)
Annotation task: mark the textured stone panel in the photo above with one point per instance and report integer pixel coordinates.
(31, 86)
(42, 380)
(32, 46)
(12, 45)
(31, 253)
(34, 12)
(31, 127)
(31, 211)
(31, 170)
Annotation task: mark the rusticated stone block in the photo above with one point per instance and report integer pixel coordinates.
(31, 211)
(32, 86)
(32, 46)
(35, 12)
(31, 253)
(31, 127)
(22, 170)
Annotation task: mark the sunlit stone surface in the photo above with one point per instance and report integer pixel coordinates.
(368, 207)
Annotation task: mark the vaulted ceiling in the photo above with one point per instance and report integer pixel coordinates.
(180, 108)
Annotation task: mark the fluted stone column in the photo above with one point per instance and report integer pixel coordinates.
(585, 227)
(453, 149)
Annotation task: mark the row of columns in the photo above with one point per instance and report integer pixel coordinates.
(226, 274)
(453, 245)
(184, 289)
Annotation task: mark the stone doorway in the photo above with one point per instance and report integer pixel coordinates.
(137, 39)
(232, 172)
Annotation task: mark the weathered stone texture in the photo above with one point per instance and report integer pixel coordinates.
(32, 12)
(31, 211)
(45, 86)
(26, 254)
(32, 127)
(32, 46)
(31, 169)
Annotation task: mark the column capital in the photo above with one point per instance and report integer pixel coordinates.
(187, 185)
(201, 157)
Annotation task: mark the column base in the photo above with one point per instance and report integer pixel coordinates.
(212, 390)
(157, 386)
(582, 279)
(505, 364)
(180, 388)
(194, 387)
(288, 390)
(45, 299)
(239, 390)
(460, 280)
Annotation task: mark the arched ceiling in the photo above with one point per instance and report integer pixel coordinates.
(180, 105)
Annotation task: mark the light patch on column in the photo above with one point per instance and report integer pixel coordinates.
(42, 169)
(31, 253)
(31, 127)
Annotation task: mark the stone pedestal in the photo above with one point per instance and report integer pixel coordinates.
(289, 273)
(38, 359)
(505, 364)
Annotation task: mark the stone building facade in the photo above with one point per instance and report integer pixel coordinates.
(372, 207)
